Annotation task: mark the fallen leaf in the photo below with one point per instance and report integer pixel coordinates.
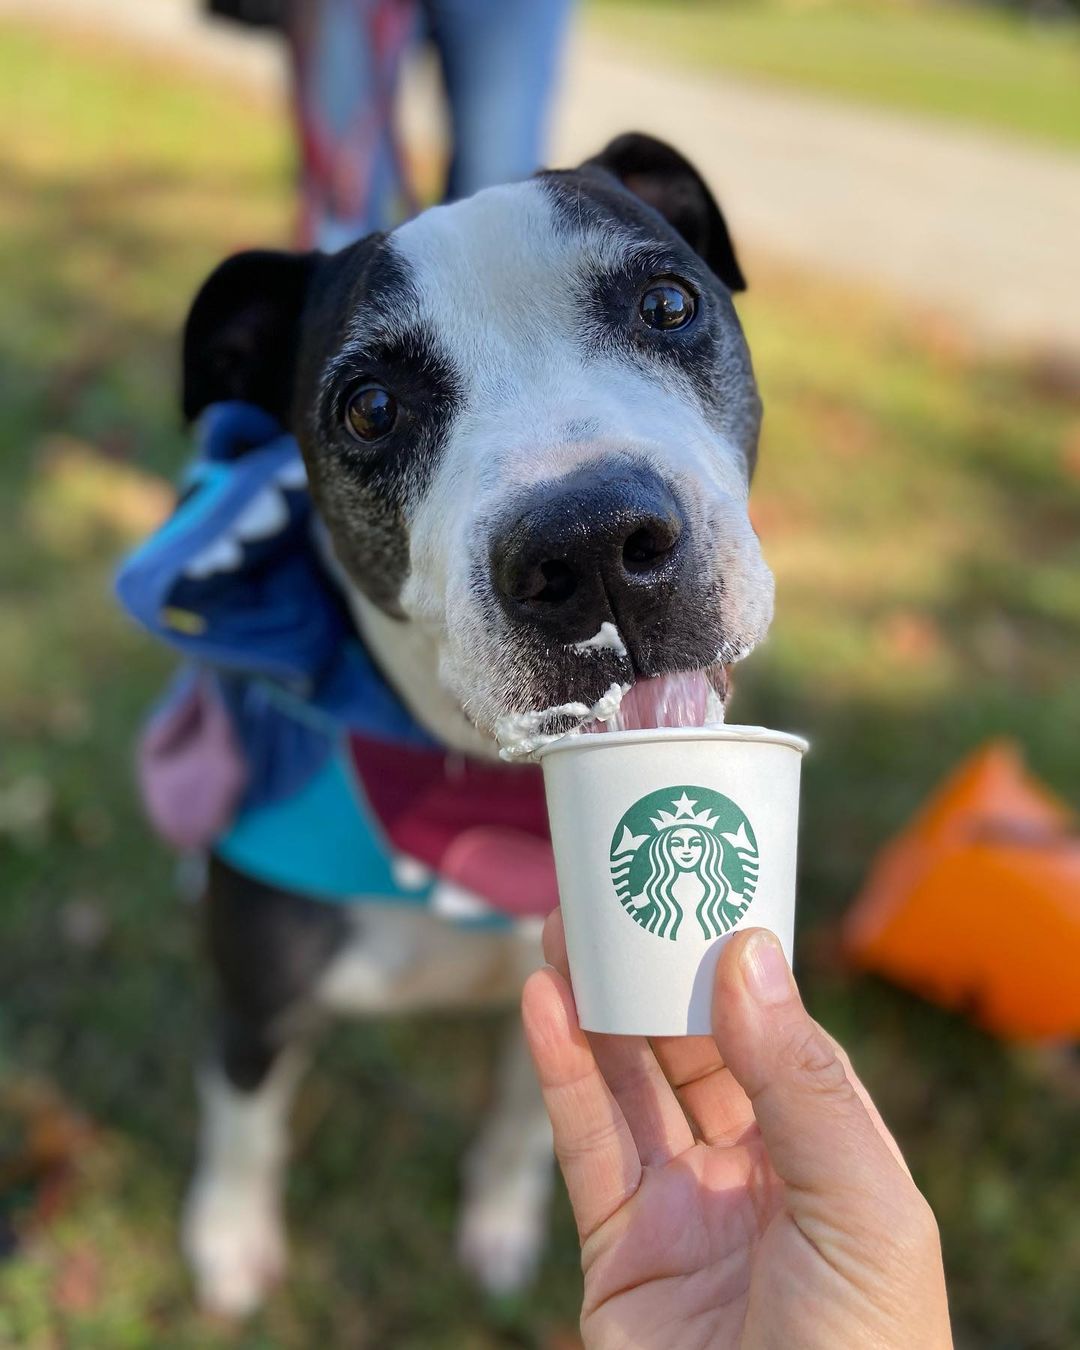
(910, 637)
(77, 1288)
(1070, 451)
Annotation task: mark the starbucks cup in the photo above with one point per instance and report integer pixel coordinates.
(666, 842)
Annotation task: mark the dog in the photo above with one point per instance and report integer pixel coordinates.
(528, 419)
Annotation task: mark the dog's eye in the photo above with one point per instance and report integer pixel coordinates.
(371, 412)
(666, 305)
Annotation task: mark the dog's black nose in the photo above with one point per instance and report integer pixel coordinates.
(602, 544)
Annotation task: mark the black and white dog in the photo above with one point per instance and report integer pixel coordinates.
(524, 416)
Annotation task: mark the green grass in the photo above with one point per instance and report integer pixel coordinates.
(919, 505)
(967, 63)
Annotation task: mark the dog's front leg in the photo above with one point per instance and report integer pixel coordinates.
(508, 1178)
(268, 949)
(233, 1232)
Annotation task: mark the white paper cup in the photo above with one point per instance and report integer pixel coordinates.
(665, 843)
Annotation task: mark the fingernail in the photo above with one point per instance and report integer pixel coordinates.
(765, 969)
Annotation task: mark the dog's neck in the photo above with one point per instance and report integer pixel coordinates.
(408, 656)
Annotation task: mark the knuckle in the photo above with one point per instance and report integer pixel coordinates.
(913, 1227)
(923, 1221)
(585, 1143)
(813, 1060)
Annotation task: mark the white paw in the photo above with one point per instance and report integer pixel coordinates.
(233, 1240)
(500, 1240)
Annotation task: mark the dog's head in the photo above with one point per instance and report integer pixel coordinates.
(529, 420)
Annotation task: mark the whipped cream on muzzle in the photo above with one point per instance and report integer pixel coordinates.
(521, 734)
(683, 700)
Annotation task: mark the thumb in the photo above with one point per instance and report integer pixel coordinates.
(820, 1137)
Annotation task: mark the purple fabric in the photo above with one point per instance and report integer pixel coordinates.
(190, 768)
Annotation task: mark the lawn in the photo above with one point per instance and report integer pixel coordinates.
(918, 501)
(966, 62)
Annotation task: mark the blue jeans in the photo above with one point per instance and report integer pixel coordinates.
(499, 60)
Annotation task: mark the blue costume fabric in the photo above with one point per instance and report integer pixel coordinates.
(343, 795)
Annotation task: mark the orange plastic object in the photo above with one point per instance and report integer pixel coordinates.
(976, 905)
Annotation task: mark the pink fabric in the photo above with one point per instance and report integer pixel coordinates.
(483, 826)
(190, 768)
(515, 870)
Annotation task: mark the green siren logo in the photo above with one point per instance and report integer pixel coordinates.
(684, 849)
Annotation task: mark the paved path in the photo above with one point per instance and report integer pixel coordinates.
(983, 228)
(986, 229)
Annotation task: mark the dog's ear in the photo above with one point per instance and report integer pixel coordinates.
(670, 184)
(240, 339)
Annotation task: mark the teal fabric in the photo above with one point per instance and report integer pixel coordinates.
(323, 841)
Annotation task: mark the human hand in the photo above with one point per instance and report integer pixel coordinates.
(741, 1191)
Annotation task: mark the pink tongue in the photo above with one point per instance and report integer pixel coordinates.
(666, 701)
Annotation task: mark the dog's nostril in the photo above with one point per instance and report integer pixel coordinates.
(560, 582)
(647, 547)
(549, 583)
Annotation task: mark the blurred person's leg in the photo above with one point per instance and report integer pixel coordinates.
(500, 60)
(346, 60)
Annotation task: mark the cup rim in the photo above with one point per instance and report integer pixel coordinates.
(713, 732)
